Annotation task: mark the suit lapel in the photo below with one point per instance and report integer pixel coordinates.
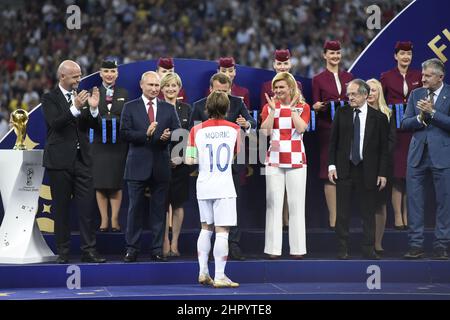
(159, 114)
(370, 123)
(62, 99)
(442, 98)
(142, 111)
(103, 109)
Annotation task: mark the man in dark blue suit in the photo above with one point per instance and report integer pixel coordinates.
(428, 115)
(147, 124)
(237, 113)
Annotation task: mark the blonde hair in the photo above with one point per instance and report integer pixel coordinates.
(291, 82)
(169, 77)
(381, 103)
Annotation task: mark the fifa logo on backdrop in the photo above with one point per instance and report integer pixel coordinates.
(374, 19)
(30, 173)
(73, 21)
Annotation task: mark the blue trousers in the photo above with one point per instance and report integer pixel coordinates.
(416, 190)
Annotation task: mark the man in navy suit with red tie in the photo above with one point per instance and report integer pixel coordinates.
(147, 124)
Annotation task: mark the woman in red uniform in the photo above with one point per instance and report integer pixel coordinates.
(329, 88)
(397, 84)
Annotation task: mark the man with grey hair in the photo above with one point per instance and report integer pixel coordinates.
(68, 115)
(428, 115)
(358, 162)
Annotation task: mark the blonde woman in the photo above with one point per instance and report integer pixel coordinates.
(179, 181)
(285, 118)
(376, 100)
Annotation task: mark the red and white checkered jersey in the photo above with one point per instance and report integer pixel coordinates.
(286, 143)
(214, 143)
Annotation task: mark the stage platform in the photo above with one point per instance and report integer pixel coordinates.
(318, 241)
(259, 279)
(318, 276)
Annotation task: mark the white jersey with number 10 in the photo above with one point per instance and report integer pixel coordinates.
(214, 143)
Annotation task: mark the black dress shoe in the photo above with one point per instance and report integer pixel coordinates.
(440, 254)
(62, 259)
(236, 254)
(130, 257)
(159, 258)
(414, 253)
(92, 257)
(103, 230)
(116, 230)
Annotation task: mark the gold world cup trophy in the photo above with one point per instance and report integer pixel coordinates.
(19, 120)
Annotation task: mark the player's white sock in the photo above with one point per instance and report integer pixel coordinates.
(220, 254)
(203, 249)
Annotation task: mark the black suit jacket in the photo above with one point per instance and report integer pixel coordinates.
(64, 131)
(375, 145)
(237, 107)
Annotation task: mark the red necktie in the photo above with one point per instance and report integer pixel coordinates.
(151, 112)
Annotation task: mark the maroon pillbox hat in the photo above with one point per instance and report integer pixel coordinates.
(332, 45)
(282, 55)
(166, 63)
(226, 62)
(403, 45)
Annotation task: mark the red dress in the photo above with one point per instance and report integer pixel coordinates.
(392, 82)
(324, 89)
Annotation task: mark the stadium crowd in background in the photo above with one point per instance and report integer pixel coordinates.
(34, 37)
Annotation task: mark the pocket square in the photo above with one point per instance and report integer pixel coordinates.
(120, 99)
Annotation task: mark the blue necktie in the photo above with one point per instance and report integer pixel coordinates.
(356, 159)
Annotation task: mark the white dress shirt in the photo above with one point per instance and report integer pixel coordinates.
(362, 129)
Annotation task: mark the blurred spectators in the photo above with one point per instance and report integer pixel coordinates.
(34, 38)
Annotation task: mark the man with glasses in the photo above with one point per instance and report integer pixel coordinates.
(358, 162)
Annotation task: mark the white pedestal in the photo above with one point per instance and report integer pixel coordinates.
(21, 241)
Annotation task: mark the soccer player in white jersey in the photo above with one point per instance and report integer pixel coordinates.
(212, 144)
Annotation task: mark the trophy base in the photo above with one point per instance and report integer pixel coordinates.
(20, 147)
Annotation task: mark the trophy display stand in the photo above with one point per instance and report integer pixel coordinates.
(21, 241)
